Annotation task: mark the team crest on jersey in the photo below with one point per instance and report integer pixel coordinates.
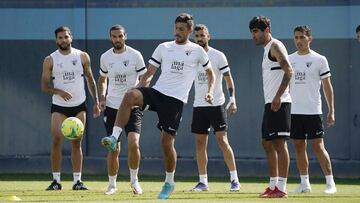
(308, 64)
(188, 52)
(126, 63)
(74, 62)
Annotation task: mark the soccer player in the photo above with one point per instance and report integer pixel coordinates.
(358, 33)
(179, 60)
(63, 78)
(311, 70)
(121, 66)
(276, 73)
(206, 115)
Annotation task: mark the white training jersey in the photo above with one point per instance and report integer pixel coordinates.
(68, 75)
(179, 65)
(220, 65)
(123, 71)
(272, 76)
(309, 70)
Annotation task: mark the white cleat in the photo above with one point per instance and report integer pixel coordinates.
(330, 189)
(302, 188)
(136, 188)
(110, 190)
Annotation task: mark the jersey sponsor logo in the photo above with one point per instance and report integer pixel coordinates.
(188, 52)
(68, 77)
(177, 67)
(308, 64)
(202, 78)
(300, 77)
(126, 63)
(120, 79)
(74, 61)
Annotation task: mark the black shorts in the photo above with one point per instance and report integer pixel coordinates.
(306, 126)
(276, 124)
(68, 111)
(169, 109)
(134, 124)
(204, 117)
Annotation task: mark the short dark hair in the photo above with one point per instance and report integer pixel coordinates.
(200, 27)
(358, 29)
(185, 18)
(62, 29)
(260, 22)
(117, 27)
(303, 29)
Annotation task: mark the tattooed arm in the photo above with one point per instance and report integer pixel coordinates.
(102, 86)
(209, 97)
(231, 107)
(46, 82)
(85, 60)
(279, 52)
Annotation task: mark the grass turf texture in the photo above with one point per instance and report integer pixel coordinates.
(31, 188)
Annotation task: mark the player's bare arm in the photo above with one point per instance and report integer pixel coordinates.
(231, 106)
(329, 96)
(85, 60)
(146, 78)
(46, 84)
(279, 52)
(209, 97)
(102, 86)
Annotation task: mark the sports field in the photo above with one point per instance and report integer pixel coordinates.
(31, 188)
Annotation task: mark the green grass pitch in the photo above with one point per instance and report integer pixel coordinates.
(31, 188)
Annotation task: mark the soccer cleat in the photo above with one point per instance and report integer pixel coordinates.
(111, 190)
(166, 191)
(136, 188)
(330, 189)
(79, 186)
(302, 188)
(54, 186)
(276, 193)
(266, 192)
(235, 186)
(109, 143)
(200, 187)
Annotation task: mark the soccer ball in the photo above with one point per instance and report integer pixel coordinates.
(72, 128)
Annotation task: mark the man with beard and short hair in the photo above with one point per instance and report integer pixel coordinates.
(276, 74)
(213, 115)
(179, 60)
(120, 68)
(63, 78)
